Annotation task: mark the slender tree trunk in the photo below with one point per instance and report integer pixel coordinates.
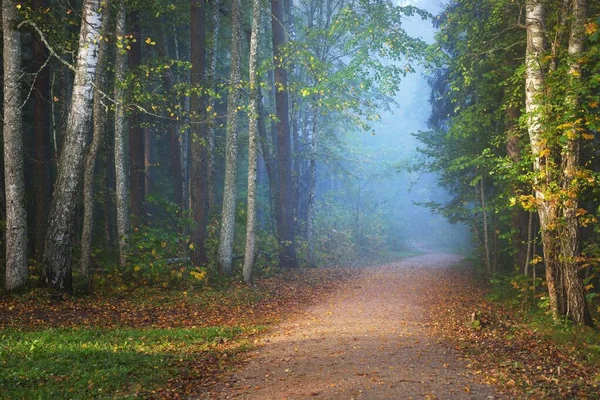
(285, 224)
(252, 144)
(577, 308)
(99, 131)
(16, 213)
(198, 133)
(59, 238)
(212, 76)
(231, 147)
(486, 243)
(312, 190)
(41, 128)
(121, 140)
(529, 244)
(136, 135)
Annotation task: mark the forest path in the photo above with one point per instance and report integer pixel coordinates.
(368, 340)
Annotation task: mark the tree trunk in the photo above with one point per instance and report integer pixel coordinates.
(42, 155)
(486, 243)
(121, 140)
(198, 133)
(59, 238)
(136, 135)
(252, 144)
(212, 76)
(99, 131)
(285, 223)
(16, 213)
(231, 147)
(312, 191)
(569, 239)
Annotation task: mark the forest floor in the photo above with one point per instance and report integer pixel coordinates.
(393, 331)
(367, 340)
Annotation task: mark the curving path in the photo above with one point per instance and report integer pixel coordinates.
(367, 341)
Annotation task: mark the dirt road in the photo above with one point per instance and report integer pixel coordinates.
(367, 341)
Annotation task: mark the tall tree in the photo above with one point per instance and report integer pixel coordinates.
(41, 130)
(99, 131)
(59, 237)
(252, 144)
(285, 222)
(231, 146)
(556, 165)
(212, 77)
(16, 213)
(570, 166)
(198, 132)
(121, 176)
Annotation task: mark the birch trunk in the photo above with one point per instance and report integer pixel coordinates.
(14, 185)
(252, 144)
(547, 207)
(577, 308)
(59, 238)
(285, 223)
(99, 131)
(121, 140)
(231, 146)
(198, 134)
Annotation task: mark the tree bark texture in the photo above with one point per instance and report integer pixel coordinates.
(121, 140)
(231, 145)
(14, 179)
(67, 189)
(99, 131)
(198, 133)
(577, 308)
(285, 222)
(42, 151)
(252, 144)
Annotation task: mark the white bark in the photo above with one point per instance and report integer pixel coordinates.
(14, 185)
(252, 144)
(67, 189)
(99, 130)
(121, 139)
(231, 147)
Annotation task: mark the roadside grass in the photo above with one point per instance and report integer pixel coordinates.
(98, 362)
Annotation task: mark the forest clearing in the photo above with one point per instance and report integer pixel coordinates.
(300, 198)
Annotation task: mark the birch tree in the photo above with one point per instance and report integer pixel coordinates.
(121, 185)
(59, 237)
(16, 213)
(252, 144)
(99, 131)
(231, 146)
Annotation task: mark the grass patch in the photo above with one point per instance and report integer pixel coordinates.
(94, 362)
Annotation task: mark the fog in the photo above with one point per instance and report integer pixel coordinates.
(383, 184)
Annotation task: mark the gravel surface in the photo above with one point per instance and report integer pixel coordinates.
(368, 340)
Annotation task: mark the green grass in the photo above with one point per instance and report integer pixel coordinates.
(90, 362)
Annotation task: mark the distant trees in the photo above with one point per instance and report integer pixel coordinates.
(152, 147)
